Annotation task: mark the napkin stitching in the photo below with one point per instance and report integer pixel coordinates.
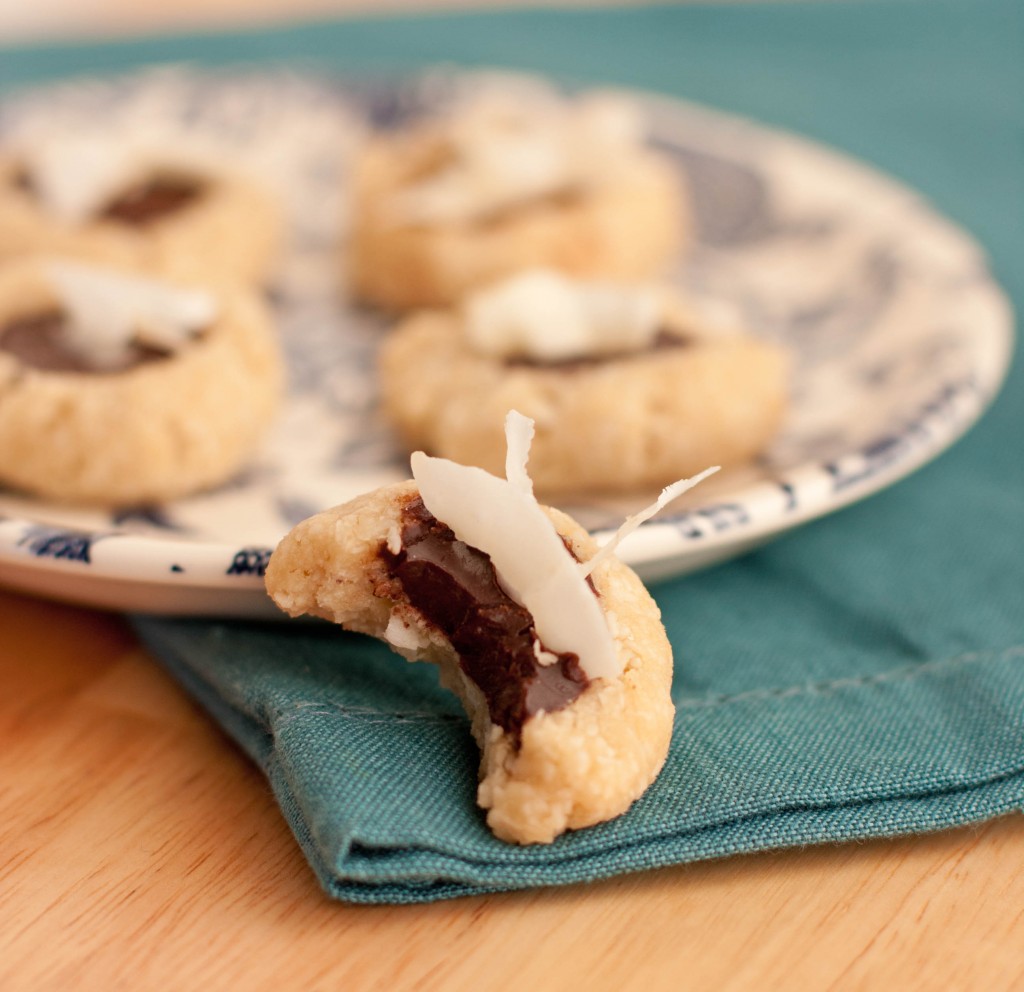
(311, 707)
(371, 715)
(824, 688)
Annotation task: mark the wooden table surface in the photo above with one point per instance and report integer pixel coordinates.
(139, 849)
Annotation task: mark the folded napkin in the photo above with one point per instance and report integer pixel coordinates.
(861, 677)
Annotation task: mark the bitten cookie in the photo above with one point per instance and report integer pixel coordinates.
(567, 683)
(116, 390)
(110, 201)
(503, 185)
(629, 390)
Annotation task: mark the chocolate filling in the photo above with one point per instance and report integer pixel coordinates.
(37, 340)
(152, 200)
(456, 589)
(664, 340)
(21, 180)
(140, 204)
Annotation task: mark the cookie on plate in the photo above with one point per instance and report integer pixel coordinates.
(506, 183)
(555, 649)
(629, 388)
(117, 390)
(138, 203)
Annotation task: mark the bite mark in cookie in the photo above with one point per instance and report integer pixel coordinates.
(455, 588)
(573, 714)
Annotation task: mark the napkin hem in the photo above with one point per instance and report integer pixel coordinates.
(358, 868)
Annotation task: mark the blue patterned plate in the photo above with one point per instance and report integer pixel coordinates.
(901, 335)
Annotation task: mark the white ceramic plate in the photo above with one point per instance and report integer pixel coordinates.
(901, 340)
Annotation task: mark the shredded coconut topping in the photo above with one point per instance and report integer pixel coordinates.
(503, 519)
(108, 313)
(507, 151)
(630, 524)
(518, 437)
(548, 317)
(77, 173)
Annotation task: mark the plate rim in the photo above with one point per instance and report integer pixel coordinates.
(211, 567)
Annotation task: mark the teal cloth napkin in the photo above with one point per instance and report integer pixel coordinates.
(861, 677)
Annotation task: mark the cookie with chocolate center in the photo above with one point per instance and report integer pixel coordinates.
(565, 676)
(629, 390)
(186, 222)
(450, 205)
(116, 390)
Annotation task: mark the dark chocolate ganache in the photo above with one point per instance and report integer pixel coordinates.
(141, 204)
(37, 340)
(21, 180)
(455, 588)
(664, 340)
(152, 200)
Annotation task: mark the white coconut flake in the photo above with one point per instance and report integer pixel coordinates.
(620, 318)
(75, 173)
(75, 176)
(108, 312)
(631, 523)
(549, 317)
(502, 518)
(509, 526)
(518, 435)
(508, 150)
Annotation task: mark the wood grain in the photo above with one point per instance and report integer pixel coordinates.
(140, 850)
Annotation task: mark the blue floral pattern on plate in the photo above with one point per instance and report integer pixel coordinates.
(901, 337)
